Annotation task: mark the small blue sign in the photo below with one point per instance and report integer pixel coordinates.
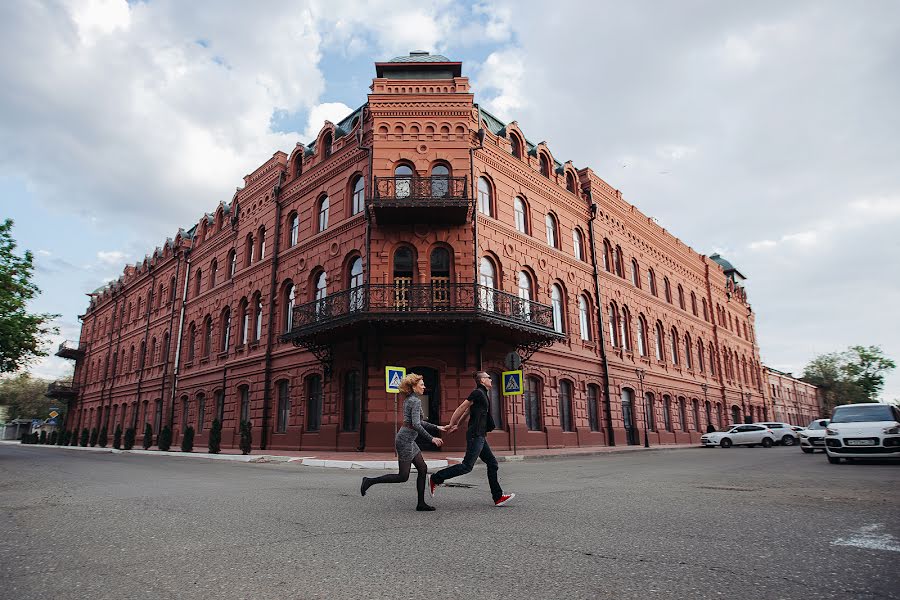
(392, 378)
(512, 383)
(35, 423)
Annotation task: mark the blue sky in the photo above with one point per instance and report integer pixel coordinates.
(767, 132)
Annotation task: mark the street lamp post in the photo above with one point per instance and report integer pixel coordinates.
(704, 387)
(640, 375)
(748, 395)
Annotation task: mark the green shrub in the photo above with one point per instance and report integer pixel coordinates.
(103, 437)
(187, 440)
(165, 439)
(215, 437)
(54, 435)
(129, 438)
(43, 438)
(65, 438)
(93, 438)
(117, 437)
(246, 437)
(148, 436)
(85, 436)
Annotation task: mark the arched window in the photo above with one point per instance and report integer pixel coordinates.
(226, 329)
(660, 353)
(694, 303)
(682, 413)
(403, 181)
(440, 276)
(403, 276)
(284, 405)
(688, 359)
(140, 306)
(532, 400)
(293, 229)
(550, 222)
(352, 400)
(201, 411)
(440, 181)
(245, 321)
(667, 415)
(521, 213)
(258, 319)
(707, 406)
(192, 341)
(152, 351)
(625, 326)
(593, 400)
(642, 335)
(248, 246)
(674, 346)
(667, 289)
(324, 203)
(288, 302)
(232, 263)
(701, 359)
(207, 336)
(313, 402)
(321, 291)
(681, 304)
(485, 202)
(213, 273)
(578, 243)
(326, 145)
(705, 310)
(620, 271)
(607, 256)
(649, 407)
(712, 359)
(130, 306)
(516, 145)
(696, 410)
(359, 194)
(556, 302)
(613, 319)
(244, 395)
(565, 405)
(487, 280)
(525, 294)
(130, 365)
(298, 165)
(545, 165)
(584, 319)
(219, 398)
(494, 400)
(357, 296)
(570, 182)
(651, 282)
(198, 278)
(635, 273)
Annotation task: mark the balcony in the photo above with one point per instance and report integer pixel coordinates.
(63, 389)
(70, 349)
(524, 324)
(411, 200)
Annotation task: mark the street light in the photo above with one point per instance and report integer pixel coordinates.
(748, 395)
(704, 387)
(640, 375)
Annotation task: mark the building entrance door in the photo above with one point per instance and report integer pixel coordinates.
(628, 416)
(431, 400)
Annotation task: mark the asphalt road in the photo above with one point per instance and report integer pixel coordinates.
(697, 523)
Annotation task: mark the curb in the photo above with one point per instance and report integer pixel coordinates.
(521, 457)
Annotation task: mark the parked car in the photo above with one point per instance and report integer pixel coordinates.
(797, 428)
(784, 433)
(813, 437)
(740, 435)
(870, 430)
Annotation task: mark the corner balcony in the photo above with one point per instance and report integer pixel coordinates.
(411, 200)
(524, 324)
(70, 349)
(63, 389)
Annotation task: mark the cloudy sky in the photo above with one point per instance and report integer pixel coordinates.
(767, 131)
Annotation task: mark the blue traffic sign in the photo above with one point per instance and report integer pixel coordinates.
(392, 378)
(512, 383)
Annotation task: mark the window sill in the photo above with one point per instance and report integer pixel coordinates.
(223, 354)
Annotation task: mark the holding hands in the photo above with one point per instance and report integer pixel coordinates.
(447, 428)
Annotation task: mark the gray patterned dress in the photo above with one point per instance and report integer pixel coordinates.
(405, 442)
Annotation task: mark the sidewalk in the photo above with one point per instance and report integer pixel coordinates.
(366, 460)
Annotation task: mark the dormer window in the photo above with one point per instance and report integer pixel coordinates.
(516, 145)
(545, 166)
(326, 145)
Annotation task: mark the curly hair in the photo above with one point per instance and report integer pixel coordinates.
(409, 382)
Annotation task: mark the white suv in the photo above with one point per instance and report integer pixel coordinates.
(813, 437)
(740, 435)
(784, 433)
(863, 431)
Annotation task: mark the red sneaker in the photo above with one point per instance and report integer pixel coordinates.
(432, 485)
(504, 499)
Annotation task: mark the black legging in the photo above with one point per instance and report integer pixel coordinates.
(403, 476)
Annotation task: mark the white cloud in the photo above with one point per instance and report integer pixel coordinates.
(111, 257)
(327, 111)
(803, 238)
(502, 79)
(762, 245)
(96, 18)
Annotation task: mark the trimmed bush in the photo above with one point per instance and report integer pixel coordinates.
(148, 436)
(187, 440)
(85, 436)
(165, 439)
(246, 437)
(215, 437)
(94, 435)
(103, 438)
(54, 435)
(74, 438)
(129, 438)
(65, 438)
(117, 437)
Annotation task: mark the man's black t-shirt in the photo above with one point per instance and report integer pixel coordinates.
(478, 412)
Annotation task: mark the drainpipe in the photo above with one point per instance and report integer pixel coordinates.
(175, 368)
(473, 191)
(364, 401)
(264, 436)
(162, 388)
(146, 331)
(610, 434)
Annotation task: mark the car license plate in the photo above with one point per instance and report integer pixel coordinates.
(860, 442)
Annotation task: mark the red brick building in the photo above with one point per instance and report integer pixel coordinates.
(793, 401)
(423, 232)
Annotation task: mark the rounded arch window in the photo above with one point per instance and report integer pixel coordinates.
(570, 182)
(359, 194)
(487, 273)
(403, 263)
(584, 318)
(556, 301)
(402, 180)
(440, 263)
(440, 181)
(326, 144)
(357, 298)
(324, 205)
(545, 165)
(485, 204)
(516, 146)
(290, 299)
(550, 222)
(521, 213)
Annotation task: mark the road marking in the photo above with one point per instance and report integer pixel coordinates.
(868, 537)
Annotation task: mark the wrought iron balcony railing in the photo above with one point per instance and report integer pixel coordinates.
(421, 200)
(62, 388)
(422, 302)
(70, 349)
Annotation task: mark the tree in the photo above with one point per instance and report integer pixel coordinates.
(215, 437)
(164, 442)
(148, 436)
(103, 437)
(187, 440)
(246, 437)
(849, 377)
(867, 367)
(117, 437)
(22, 334)
(129, 438)
(24, 395)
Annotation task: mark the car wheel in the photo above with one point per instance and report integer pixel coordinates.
(726, 443)
(788, 440)
(835, 460)
(807, 450)
(767, 443)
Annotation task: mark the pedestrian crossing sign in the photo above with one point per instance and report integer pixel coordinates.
(392, 378)
(512, 383)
